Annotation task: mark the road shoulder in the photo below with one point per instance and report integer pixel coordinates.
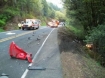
(49, 58)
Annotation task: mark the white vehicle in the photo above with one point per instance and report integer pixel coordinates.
(31, 24)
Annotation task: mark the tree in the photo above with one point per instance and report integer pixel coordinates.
(45, 8)
(89, 13)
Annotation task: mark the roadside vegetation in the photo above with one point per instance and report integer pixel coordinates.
(85, 24)
(86, 19)
(14, 11)
(75, 57)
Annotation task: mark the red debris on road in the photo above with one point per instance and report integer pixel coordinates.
(17, 52)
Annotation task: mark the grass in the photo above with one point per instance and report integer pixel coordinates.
(1, 30)
(78, 31)
(43, 23)
(93, 68)
(76, 27)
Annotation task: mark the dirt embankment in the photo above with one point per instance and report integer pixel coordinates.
(75, 62)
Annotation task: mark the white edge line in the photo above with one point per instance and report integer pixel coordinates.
(26, 71)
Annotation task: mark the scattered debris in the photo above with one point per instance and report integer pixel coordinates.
(38, 38)
(3, 75)
(36, 68)
(29, 38)
(17, 52)
(33, 32)
(89, 46)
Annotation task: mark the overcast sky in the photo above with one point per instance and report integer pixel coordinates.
(56, 2)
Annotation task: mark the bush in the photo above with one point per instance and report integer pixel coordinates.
(11, 11)
(97, 37)
(78, 32)
(2, 23)
(1, 30)
(6, 15)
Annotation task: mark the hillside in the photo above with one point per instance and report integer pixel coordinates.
(76, 63)
(14, 11)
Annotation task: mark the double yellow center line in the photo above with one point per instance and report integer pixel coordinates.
(15, 36)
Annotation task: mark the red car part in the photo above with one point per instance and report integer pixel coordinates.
(17, 52)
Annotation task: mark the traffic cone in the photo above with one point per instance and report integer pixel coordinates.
(17, 52)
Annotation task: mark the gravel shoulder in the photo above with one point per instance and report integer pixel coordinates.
(75, 62)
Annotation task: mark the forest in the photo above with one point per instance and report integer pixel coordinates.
(18, 10)
(88, 17)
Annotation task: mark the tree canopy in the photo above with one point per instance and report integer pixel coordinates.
(90, 13)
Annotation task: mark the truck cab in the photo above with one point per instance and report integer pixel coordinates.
(53, 23)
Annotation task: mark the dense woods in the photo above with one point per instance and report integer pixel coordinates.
(22, 9)
(89, 15)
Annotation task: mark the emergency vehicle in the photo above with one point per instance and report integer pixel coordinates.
(30, 24)
(53, 23)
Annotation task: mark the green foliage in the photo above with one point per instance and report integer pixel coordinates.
(77, 32)
(95, 34)
(2, 23)
(1, 30)
(97, 37)
(29, 16)
(11, 11)
(51, 12)
(90, 13)
(43, 23)
(3, 19)
(6, 15)
(54, 7)
(22, 9)
(59, 15)
(45, 8)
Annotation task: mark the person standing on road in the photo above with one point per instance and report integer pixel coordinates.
(19, 25)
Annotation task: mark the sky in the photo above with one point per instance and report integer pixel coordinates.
(56, 2)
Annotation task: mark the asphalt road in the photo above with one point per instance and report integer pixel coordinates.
(42, 43)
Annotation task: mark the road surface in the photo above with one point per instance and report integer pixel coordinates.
(43, 45)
